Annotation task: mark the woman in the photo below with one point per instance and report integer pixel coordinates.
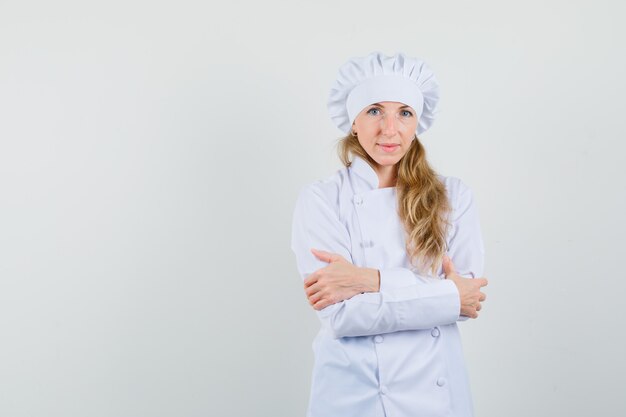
(389, 252)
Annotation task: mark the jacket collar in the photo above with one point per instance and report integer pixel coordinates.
(363, 169)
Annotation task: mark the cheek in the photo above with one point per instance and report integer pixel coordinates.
(409, 125)
(408, 130)
(367, 132)
(368, 137)
(365, 122)
(366, 142)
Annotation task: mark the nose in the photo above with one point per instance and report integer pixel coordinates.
(389, 126)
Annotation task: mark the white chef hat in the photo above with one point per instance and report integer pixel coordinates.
(366, 80)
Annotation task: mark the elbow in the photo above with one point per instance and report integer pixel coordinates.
(338, 321)
(361, 315)
(348, 320)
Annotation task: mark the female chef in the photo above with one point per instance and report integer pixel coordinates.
(390, 252)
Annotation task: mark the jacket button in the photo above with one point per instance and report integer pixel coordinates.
(435, 332)
(378, 339)
(441, 381)
(358, 200)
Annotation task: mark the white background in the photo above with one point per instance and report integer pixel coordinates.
(151, 154)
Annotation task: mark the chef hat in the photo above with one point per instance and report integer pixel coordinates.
(366, 80)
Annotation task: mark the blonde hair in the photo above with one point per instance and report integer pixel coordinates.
(423, 204)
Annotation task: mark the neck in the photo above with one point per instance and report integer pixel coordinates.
(386, 176)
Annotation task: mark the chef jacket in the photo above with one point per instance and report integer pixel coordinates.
(396, 352)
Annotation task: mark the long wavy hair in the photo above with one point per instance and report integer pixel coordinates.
(423, 204)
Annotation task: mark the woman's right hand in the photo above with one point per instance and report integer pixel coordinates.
(469, 289)
(338, 281)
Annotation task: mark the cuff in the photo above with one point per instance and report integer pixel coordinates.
(455, 298)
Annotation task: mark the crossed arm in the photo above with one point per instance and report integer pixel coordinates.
(341, 280)
(355, 301)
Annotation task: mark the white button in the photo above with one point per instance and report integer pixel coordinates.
(441, 381)
(358, 200)
(435, 332)
(378, 339)
(383, 390)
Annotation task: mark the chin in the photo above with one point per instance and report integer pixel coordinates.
(386, 160)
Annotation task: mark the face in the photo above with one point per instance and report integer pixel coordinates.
(385, 130)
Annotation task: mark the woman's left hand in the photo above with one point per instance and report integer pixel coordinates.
(338, 281)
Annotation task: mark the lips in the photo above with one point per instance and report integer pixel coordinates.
(388, 147)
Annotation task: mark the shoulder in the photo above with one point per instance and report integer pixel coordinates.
(459, 193)
(325, 191)
(319, 203)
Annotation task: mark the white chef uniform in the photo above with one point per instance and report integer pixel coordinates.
(397, 352)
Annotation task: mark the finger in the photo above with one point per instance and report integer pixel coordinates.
(320, 305)
(315, 276)
(320, 254)
(448, 266)
(327, 256)
(478, 307)
(483, 282)
(314, 298)
(312, 289)
(326, 298)
(482, 297)
(311, 279)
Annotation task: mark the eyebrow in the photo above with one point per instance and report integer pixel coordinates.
(380, 105)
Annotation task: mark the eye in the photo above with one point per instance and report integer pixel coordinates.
(374, 111)
(406, 113)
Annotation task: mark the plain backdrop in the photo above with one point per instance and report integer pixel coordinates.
(150, 157)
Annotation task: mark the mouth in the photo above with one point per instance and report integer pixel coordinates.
(388, 147)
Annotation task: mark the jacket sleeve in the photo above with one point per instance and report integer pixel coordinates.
(466, 247)
(401, 303)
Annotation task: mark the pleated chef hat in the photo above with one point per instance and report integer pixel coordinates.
(366, 80)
